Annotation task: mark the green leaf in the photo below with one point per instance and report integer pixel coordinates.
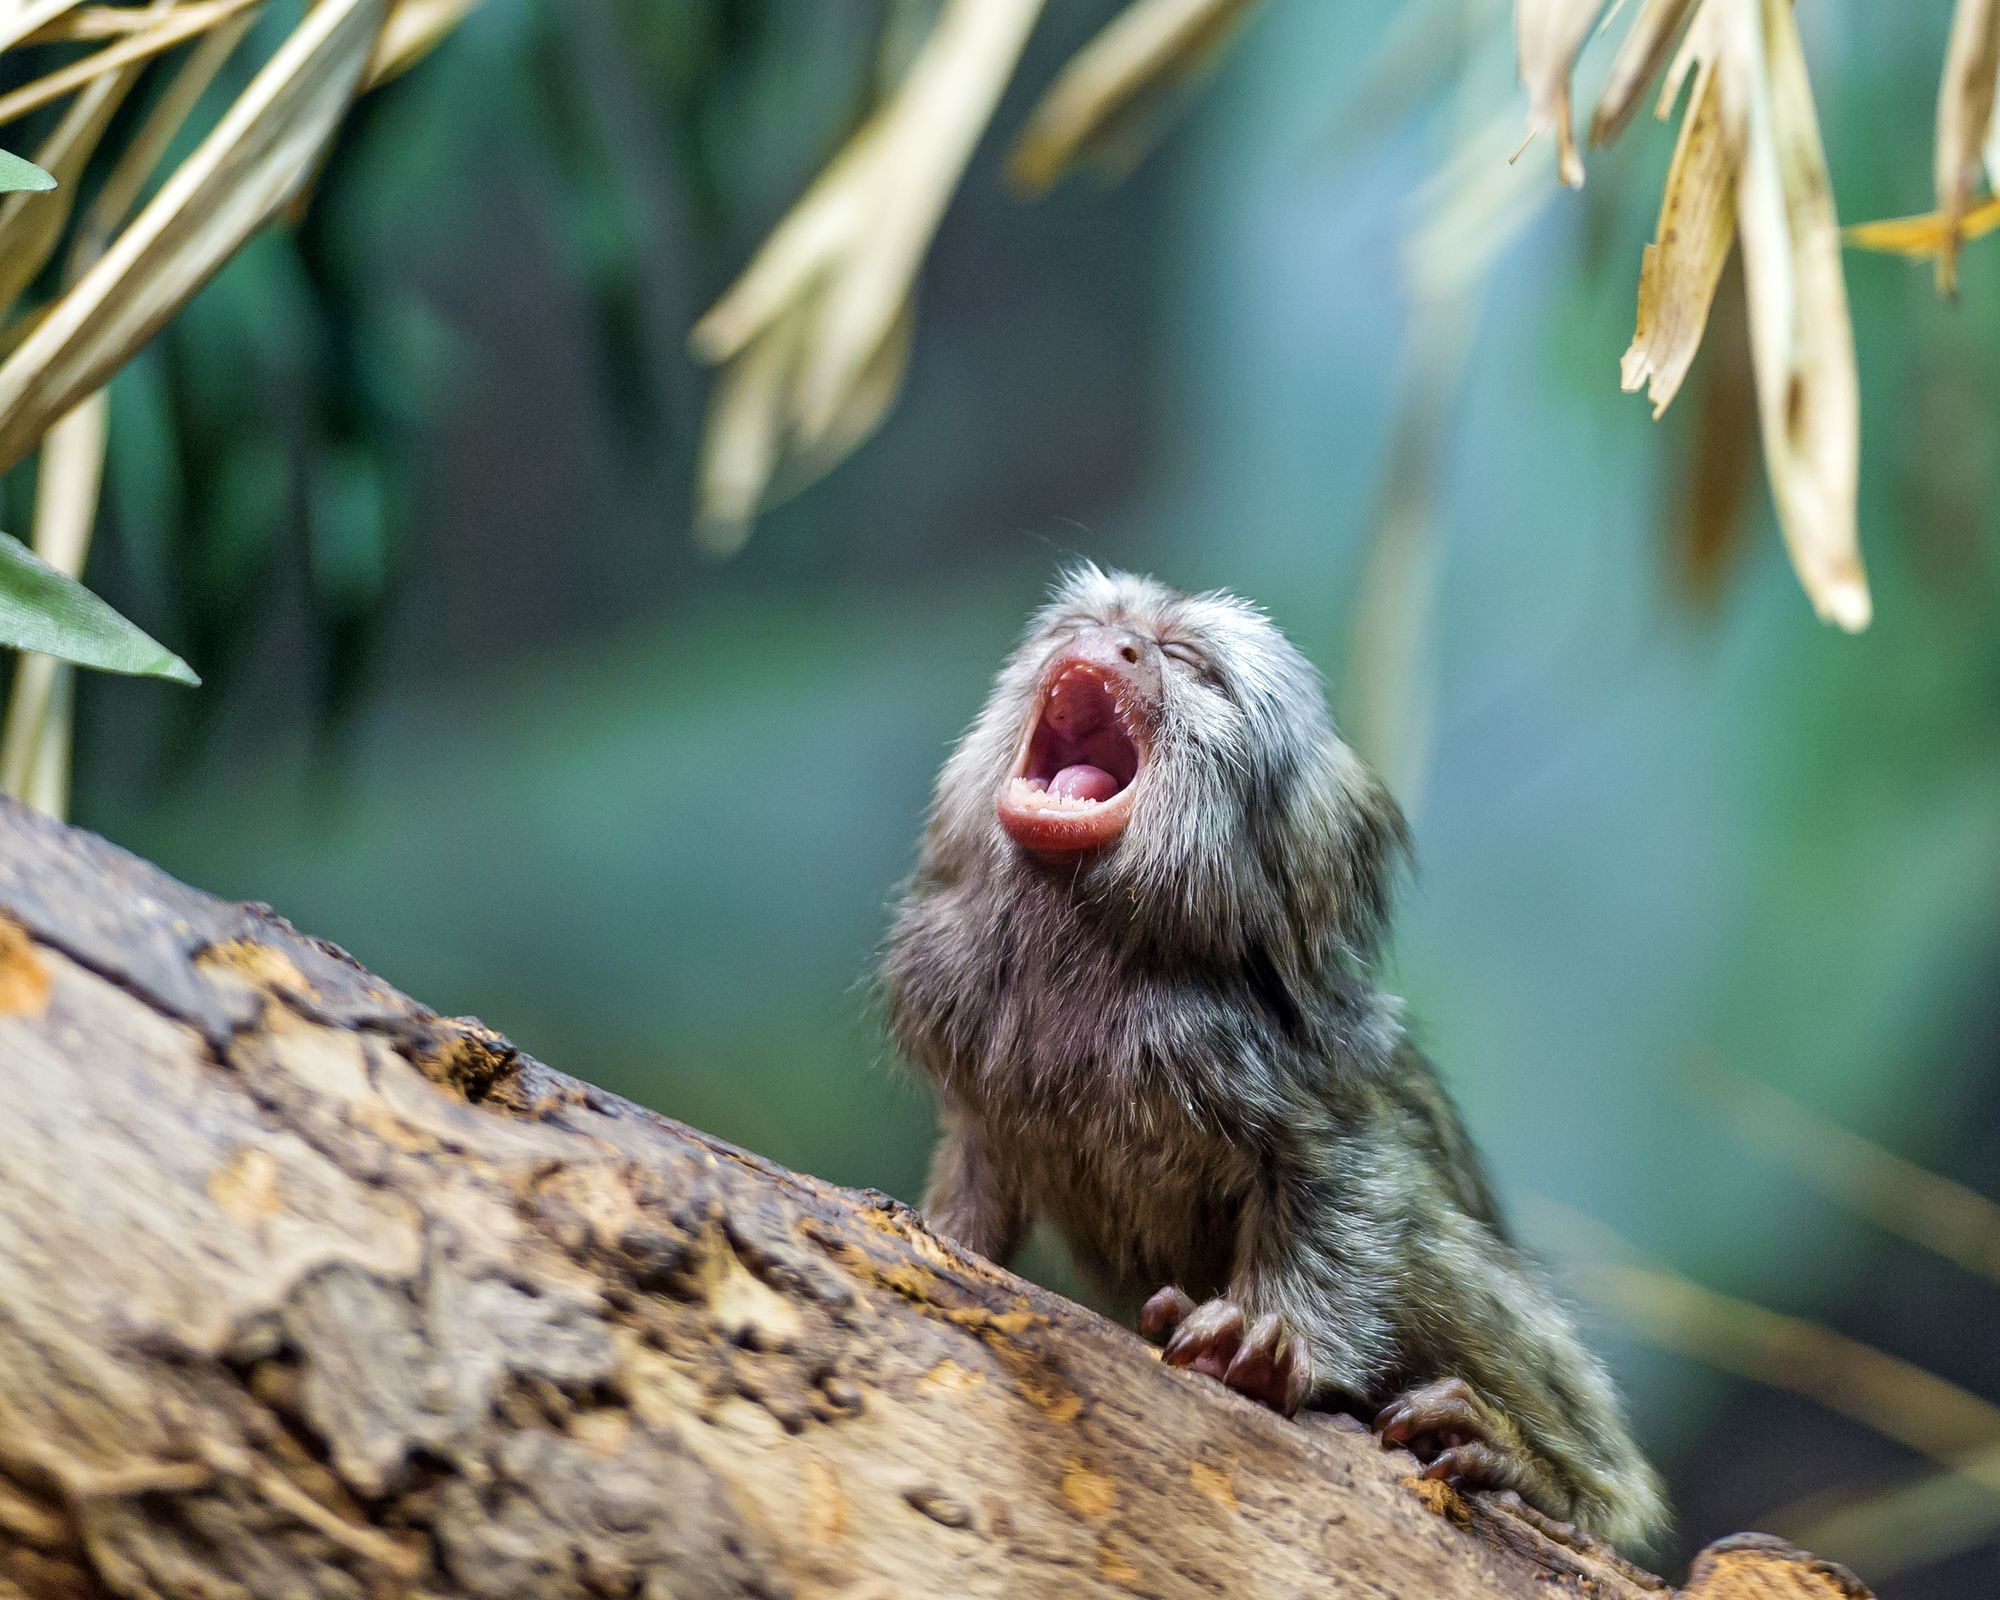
(15, 173)
(45, 610)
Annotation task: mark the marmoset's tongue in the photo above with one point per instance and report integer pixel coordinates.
(1083, 782)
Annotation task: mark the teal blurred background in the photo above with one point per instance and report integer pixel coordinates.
(411, 488)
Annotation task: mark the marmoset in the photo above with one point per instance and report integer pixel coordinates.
(1135, 962)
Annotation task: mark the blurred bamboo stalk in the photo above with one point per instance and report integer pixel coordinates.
(1898, 1196)
(1895, 1398)
(1930, 1517)
(1749, 168)
(1936, 1515)
(35, 743)
(1389, 690)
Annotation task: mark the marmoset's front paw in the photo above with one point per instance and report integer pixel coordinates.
(1264, 1360)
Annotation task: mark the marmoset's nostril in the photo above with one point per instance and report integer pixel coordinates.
(1130, 652)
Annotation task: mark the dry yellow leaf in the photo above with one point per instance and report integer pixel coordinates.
(1147, 50)
(1691, 242)
(1647, 43)
(840, 266)
(177, 23)
(31, 20)
(1964, 120)
(256, 156)
(148, 144)
(31, 224)
(1548, 34)
(1801, 338)
(413, 30)
(1926, 235)
(743, 438)
(93, 23)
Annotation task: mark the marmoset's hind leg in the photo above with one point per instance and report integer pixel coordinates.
(1513, 1400)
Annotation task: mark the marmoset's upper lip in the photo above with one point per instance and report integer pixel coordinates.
(1071, 786)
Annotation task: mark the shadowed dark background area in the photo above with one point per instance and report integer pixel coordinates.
(411, 488)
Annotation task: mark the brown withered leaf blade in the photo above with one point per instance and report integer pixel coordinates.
(1143, 56)
(1548, 35)
(1691, 242)
(254, 158)
(1801, 336)
(1645, 47)
(1964, 121)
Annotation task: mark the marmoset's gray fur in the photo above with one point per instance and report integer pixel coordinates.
(1167, 1040)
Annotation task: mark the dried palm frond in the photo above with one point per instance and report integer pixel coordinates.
(1964, 122)
(1680, 269)
(1641, 54)
(808, 331)
(1548, 36)
(131, 266)
(823, 293)
(1748, 167)
(1968, 147)
(1150, 50)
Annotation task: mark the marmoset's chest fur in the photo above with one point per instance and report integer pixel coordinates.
(1135, 1099)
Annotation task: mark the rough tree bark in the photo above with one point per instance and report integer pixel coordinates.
(305, 1290)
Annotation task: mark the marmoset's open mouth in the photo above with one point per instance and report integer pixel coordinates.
(1071, 789)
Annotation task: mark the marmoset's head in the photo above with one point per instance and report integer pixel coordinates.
(1170, 757)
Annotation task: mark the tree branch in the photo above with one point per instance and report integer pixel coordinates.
(305, 1290)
